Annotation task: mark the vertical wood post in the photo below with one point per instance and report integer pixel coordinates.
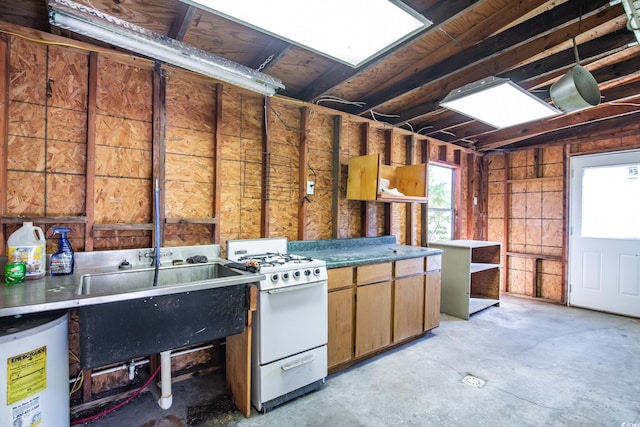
(303, 172)
(471, 194)
(337, 175)
(364, 206)
(159, 141)
(266, 165)
(424, 207)
(217, 163)
(91, 151)
(389, 219)
(4, 133)
(410, 207)
(505, 225)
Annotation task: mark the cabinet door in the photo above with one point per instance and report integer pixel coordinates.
(373, 317)
(408, 311)
(432, 300)
(340, 344)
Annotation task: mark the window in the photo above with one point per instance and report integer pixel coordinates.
(440, 221)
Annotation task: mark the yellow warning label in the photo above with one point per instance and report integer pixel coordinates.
(26, 374)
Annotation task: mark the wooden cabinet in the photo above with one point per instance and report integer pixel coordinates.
(373, 317)
(367, 177)
(432, 292)
(341, 310)
(374, 307)
(470, 276)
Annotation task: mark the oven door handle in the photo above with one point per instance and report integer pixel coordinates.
(294, 288)
(296, 363)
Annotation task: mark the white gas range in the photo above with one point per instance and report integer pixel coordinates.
(289, 351)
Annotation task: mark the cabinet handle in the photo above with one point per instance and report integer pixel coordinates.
(296, 363)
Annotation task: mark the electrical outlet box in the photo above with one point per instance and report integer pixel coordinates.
(310, 185)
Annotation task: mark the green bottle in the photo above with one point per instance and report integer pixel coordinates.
(15, 271)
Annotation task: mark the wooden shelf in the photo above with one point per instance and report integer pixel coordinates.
(43, 219)
(470, 276)
(367, 172)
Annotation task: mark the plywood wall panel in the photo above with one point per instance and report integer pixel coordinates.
(66, 157)
(186, 199)
(122, 239)
(189, 168)
(27, 71)
(123, 200)
(66, 125)
(122, 132)
(26, 120)
(66, 195)
(191, 102)
(242, 114)
(25, 154)
(25, 193)
(123, 162)
(190, 142)
(68, 78)
(123, 90)
(187, 234)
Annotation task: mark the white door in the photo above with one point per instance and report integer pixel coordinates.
(604, 232)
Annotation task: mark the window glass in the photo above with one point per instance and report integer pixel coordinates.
(611, 202)
(440, 221)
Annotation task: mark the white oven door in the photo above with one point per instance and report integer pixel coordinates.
(291, 320)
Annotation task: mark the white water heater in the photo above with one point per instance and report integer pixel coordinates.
(34, 367)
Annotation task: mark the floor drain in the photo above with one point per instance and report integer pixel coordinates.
(474, 381)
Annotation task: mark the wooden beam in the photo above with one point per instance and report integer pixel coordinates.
(389, 219)
(337, 177)
(411, 207)
(600, 113)
(424, 207)
(471, 195)
(491, 47)
(181, 21)
(504, 271)
(217, 161)
(303, 172)
(266, 165)
(364, 206)
(159, 143)
(91, 151)
(4, 133)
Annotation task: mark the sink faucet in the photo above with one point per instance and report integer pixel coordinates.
(152, 254)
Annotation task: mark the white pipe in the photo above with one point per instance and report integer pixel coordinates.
(166, 398)
(118, 368)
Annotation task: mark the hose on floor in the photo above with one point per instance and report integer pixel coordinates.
(119, 405)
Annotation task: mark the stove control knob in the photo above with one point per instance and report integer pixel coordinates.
(296, 274)
(307, 272)
(274, 277)
(316, 272)
(285, 276)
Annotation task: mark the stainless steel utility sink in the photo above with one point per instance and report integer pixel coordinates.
(139, 279)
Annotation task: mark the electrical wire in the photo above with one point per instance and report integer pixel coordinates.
(119, 405)
(77, 384)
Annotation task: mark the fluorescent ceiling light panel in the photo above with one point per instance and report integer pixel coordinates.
(101, 26)
(349, 31)
(498, 102)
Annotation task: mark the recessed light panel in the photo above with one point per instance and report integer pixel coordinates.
(349, 31)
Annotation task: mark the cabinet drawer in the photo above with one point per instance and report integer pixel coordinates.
(409, 267)
(434, 262)
(373, 273)
(340, 277)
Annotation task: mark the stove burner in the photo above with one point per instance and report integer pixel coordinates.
(273, 259)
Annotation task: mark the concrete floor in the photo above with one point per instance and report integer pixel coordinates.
(543, 364)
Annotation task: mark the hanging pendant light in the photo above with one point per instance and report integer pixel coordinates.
(575, 90)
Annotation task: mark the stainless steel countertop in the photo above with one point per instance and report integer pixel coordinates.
(63, 292)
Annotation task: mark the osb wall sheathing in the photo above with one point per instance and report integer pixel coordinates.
(535, 220)
(241, 165)
(189, 157)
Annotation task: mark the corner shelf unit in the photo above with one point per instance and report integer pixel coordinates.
(470, 276)
(366, 173)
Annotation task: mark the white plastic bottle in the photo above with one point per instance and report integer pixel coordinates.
(30, 244)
